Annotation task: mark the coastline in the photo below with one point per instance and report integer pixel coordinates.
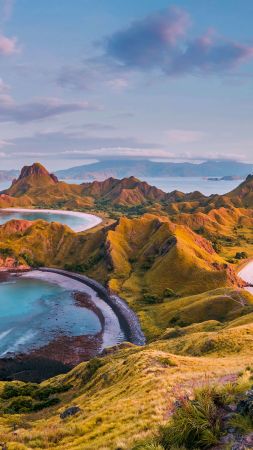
(127, 318)
(60, 354)
(92, 219)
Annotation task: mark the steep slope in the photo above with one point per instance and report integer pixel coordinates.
(242, 196)
(31, 176)
(128, 191)
(153, 254)
(35, 186)
(121, 398)
(145, 260)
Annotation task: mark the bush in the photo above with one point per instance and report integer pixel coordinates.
(19, 405)
(166, 362)
(195, 424)
(148, 445)
(50, 402)
(33, 390)
(23, 397)
(241, 255)
(152, 299)
(14, 390)
(169, 293)
(44, 392)
(7, 252)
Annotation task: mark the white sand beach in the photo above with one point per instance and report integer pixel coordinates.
(89, 220)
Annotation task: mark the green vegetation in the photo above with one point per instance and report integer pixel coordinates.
(174, 259)
(17, 398)
(200, 422)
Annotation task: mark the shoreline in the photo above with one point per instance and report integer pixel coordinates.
(128, 320)
(68, 352)
(92, 219)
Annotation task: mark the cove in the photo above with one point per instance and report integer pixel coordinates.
(44, 315)
(77, 221)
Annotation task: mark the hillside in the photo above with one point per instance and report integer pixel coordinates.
(144, 168)
(36, 186)
(121, 399)
(145, 260)
(243, 194)
(172, 266)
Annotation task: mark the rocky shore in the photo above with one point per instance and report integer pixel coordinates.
(127, 318)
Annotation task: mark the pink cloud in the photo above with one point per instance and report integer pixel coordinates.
(8, 46)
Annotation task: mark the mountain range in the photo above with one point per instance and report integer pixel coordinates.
(145, 168)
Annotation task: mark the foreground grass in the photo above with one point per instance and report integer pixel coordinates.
(201, 421)
(123, 399)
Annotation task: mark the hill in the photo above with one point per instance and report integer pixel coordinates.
(37, 187)
(146, 260)
(172, 267)
(145, 168)
(243, 194)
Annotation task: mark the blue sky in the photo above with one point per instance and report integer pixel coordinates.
(85, 80)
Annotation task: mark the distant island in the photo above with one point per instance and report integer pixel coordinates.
(216, 170)
(144, 168)
(225, 178)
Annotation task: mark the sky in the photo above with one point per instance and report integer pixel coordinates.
(87, 80)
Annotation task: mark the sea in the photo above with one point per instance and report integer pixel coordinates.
(183, 184)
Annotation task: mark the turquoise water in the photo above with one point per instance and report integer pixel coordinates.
(33, 312)
(77, 222)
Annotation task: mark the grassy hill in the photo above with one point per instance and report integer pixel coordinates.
(172, 265)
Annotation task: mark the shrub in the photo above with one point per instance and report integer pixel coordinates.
(44, 392)
(241, 255)
(6, 251)
(169, 293)
(166, 362)
(148, 445)
(19, 405)
(152, 299)
(50, 402)
(14, 390)
(195, 424)
(241, 423)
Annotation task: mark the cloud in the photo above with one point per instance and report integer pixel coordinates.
(180, 136)
(8, 46)
(160, 41)
(10, 111)
(146, 43)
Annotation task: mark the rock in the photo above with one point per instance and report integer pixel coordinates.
(245, 406)
(249, 440)
(71, 411)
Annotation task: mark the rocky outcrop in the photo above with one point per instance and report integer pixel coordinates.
(36, 170)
